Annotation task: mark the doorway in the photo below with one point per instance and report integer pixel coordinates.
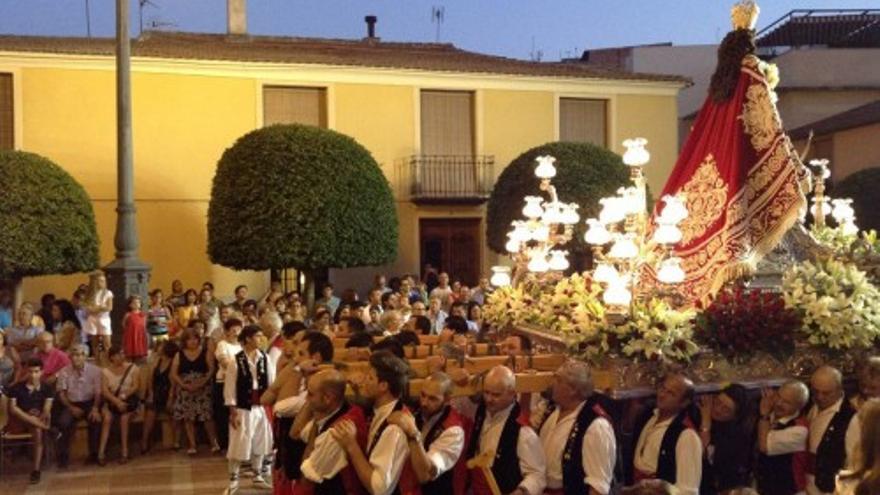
(451, 245)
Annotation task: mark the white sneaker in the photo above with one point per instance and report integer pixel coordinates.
(260, 482)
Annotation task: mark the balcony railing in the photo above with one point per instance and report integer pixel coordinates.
(451, 178)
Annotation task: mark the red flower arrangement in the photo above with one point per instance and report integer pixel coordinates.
(741, 321)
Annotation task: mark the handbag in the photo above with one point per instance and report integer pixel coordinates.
(131, 402)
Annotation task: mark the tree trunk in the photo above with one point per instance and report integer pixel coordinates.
(309, 289)
(17, 296)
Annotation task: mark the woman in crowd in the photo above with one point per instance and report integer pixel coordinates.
(869, 383)
(22, 335)
(297, 310)
(68, 329)
(158, 317)
(159, 392)
(120, 383)
(8, 363)
(191, 372)
(864, 478)
(475, 315)
(322, 321)
(249, 313)
(209, 311)
(728, 435)
(390, 322)
(186, 312)
(98, 304)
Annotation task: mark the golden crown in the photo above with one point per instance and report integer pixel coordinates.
(744, 14)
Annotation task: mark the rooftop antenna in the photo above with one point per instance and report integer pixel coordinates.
(438, 15)
(141, 5)
(535, 55)
(157, 24)
(88, 21)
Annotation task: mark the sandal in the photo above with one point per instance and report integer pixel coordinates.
(123, 459)
(215, 449)
(191, 452)
(102, 461)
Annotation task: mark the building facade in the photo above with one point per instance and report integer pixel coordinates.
(441, 122)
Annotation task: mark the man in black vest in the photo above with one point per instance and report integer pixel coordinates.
(500, 432)
(250, 434)
(577, 436)
(668, 446)
(834, 430)
(782, 440)
(384, 468)
(436, 438)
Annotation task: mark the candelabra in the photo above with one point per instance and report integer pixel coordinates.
(839, 209)
(549, 224)
(623, 224)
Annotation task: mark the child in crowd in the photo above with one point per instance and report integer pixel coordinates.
(134, 337)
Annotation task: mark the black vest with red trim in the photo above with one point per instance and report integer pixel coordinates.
(782, 474)
(505, 467)
(831, 452)
(244, 383)
(345, 481)
(408, 483)
(666, 462)
(573, 473)
(452, 481)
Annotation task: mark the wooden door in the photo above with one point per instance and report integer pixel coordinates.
(452, 245)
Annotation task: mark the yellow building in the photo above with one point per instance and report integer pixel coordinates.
(441, 122)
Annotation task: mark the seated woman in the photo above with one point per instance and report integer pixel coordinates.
(158, 392)
(67, 327)
(121, 385)
(728, 436)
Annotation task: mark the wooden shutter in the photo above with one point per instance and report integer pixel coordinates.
(293, 105)
(583, 121)
(447, 123)
(7, 115)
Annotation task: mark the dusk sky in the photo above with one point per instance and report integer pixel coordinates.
(502, 27)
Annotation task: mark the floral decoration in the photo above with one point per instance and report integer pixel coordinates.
(657, 331)
(839, 306)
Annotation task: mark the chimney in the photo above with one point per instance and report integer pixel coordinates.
(371, 26)
(236, 17)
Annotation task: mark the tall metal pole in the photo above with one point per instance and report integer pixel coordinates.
(127, 275)
(88, 21)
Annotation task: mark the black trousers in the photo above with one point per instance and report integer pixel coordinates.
(66, 424)
(221, 416)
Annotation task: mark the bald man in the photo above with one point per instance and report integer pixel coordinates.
(325, 467)
(668, 446)
(518, 462)
(436, 438)
(577, 436)
(782, 440)
(834, 431)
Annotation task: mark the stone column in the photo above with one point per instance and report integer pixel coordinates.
(127, 274)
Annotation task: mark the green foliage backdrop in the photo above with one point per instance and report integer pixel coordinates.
(294, 196)
(47, 225)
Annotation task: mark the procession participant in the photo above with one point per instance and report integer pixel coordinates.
(577, 436)
(384, 467)
(224, 354)
(436, 438)
(869, 383)
(518, 464)
(324, 467)
(668, 446)
(250, 434)
(727, 431)
(834, 431)
(782, 440)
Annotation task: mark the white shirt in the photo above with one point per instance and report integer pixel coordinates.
(688, 454)
(389, 455)
(327, 457)
(225, 352)
(598, 449)
(819, 421)
(528, 449)
(444, 451)
(787, 440)
(230, 382)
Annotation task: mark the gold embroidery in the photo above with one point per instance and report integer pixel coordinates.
(760, 119)
(706, 194)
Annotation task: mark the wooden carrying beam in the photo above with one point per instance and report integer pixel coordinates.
(474, 365)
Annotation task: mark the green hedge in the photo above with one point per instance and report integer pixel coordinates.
(47, 225)
(862, 187)
(293, 196)
(584, 174)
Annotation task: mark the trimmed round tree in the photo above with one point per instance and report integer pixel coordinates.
(862, 187)
(47, 225)
(584, 174)
(295, 196)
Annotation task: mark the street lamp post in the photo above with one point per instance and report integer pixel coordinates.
(127, 274)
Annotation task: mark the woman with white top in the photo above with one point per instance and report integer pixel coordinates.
(98, 304)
